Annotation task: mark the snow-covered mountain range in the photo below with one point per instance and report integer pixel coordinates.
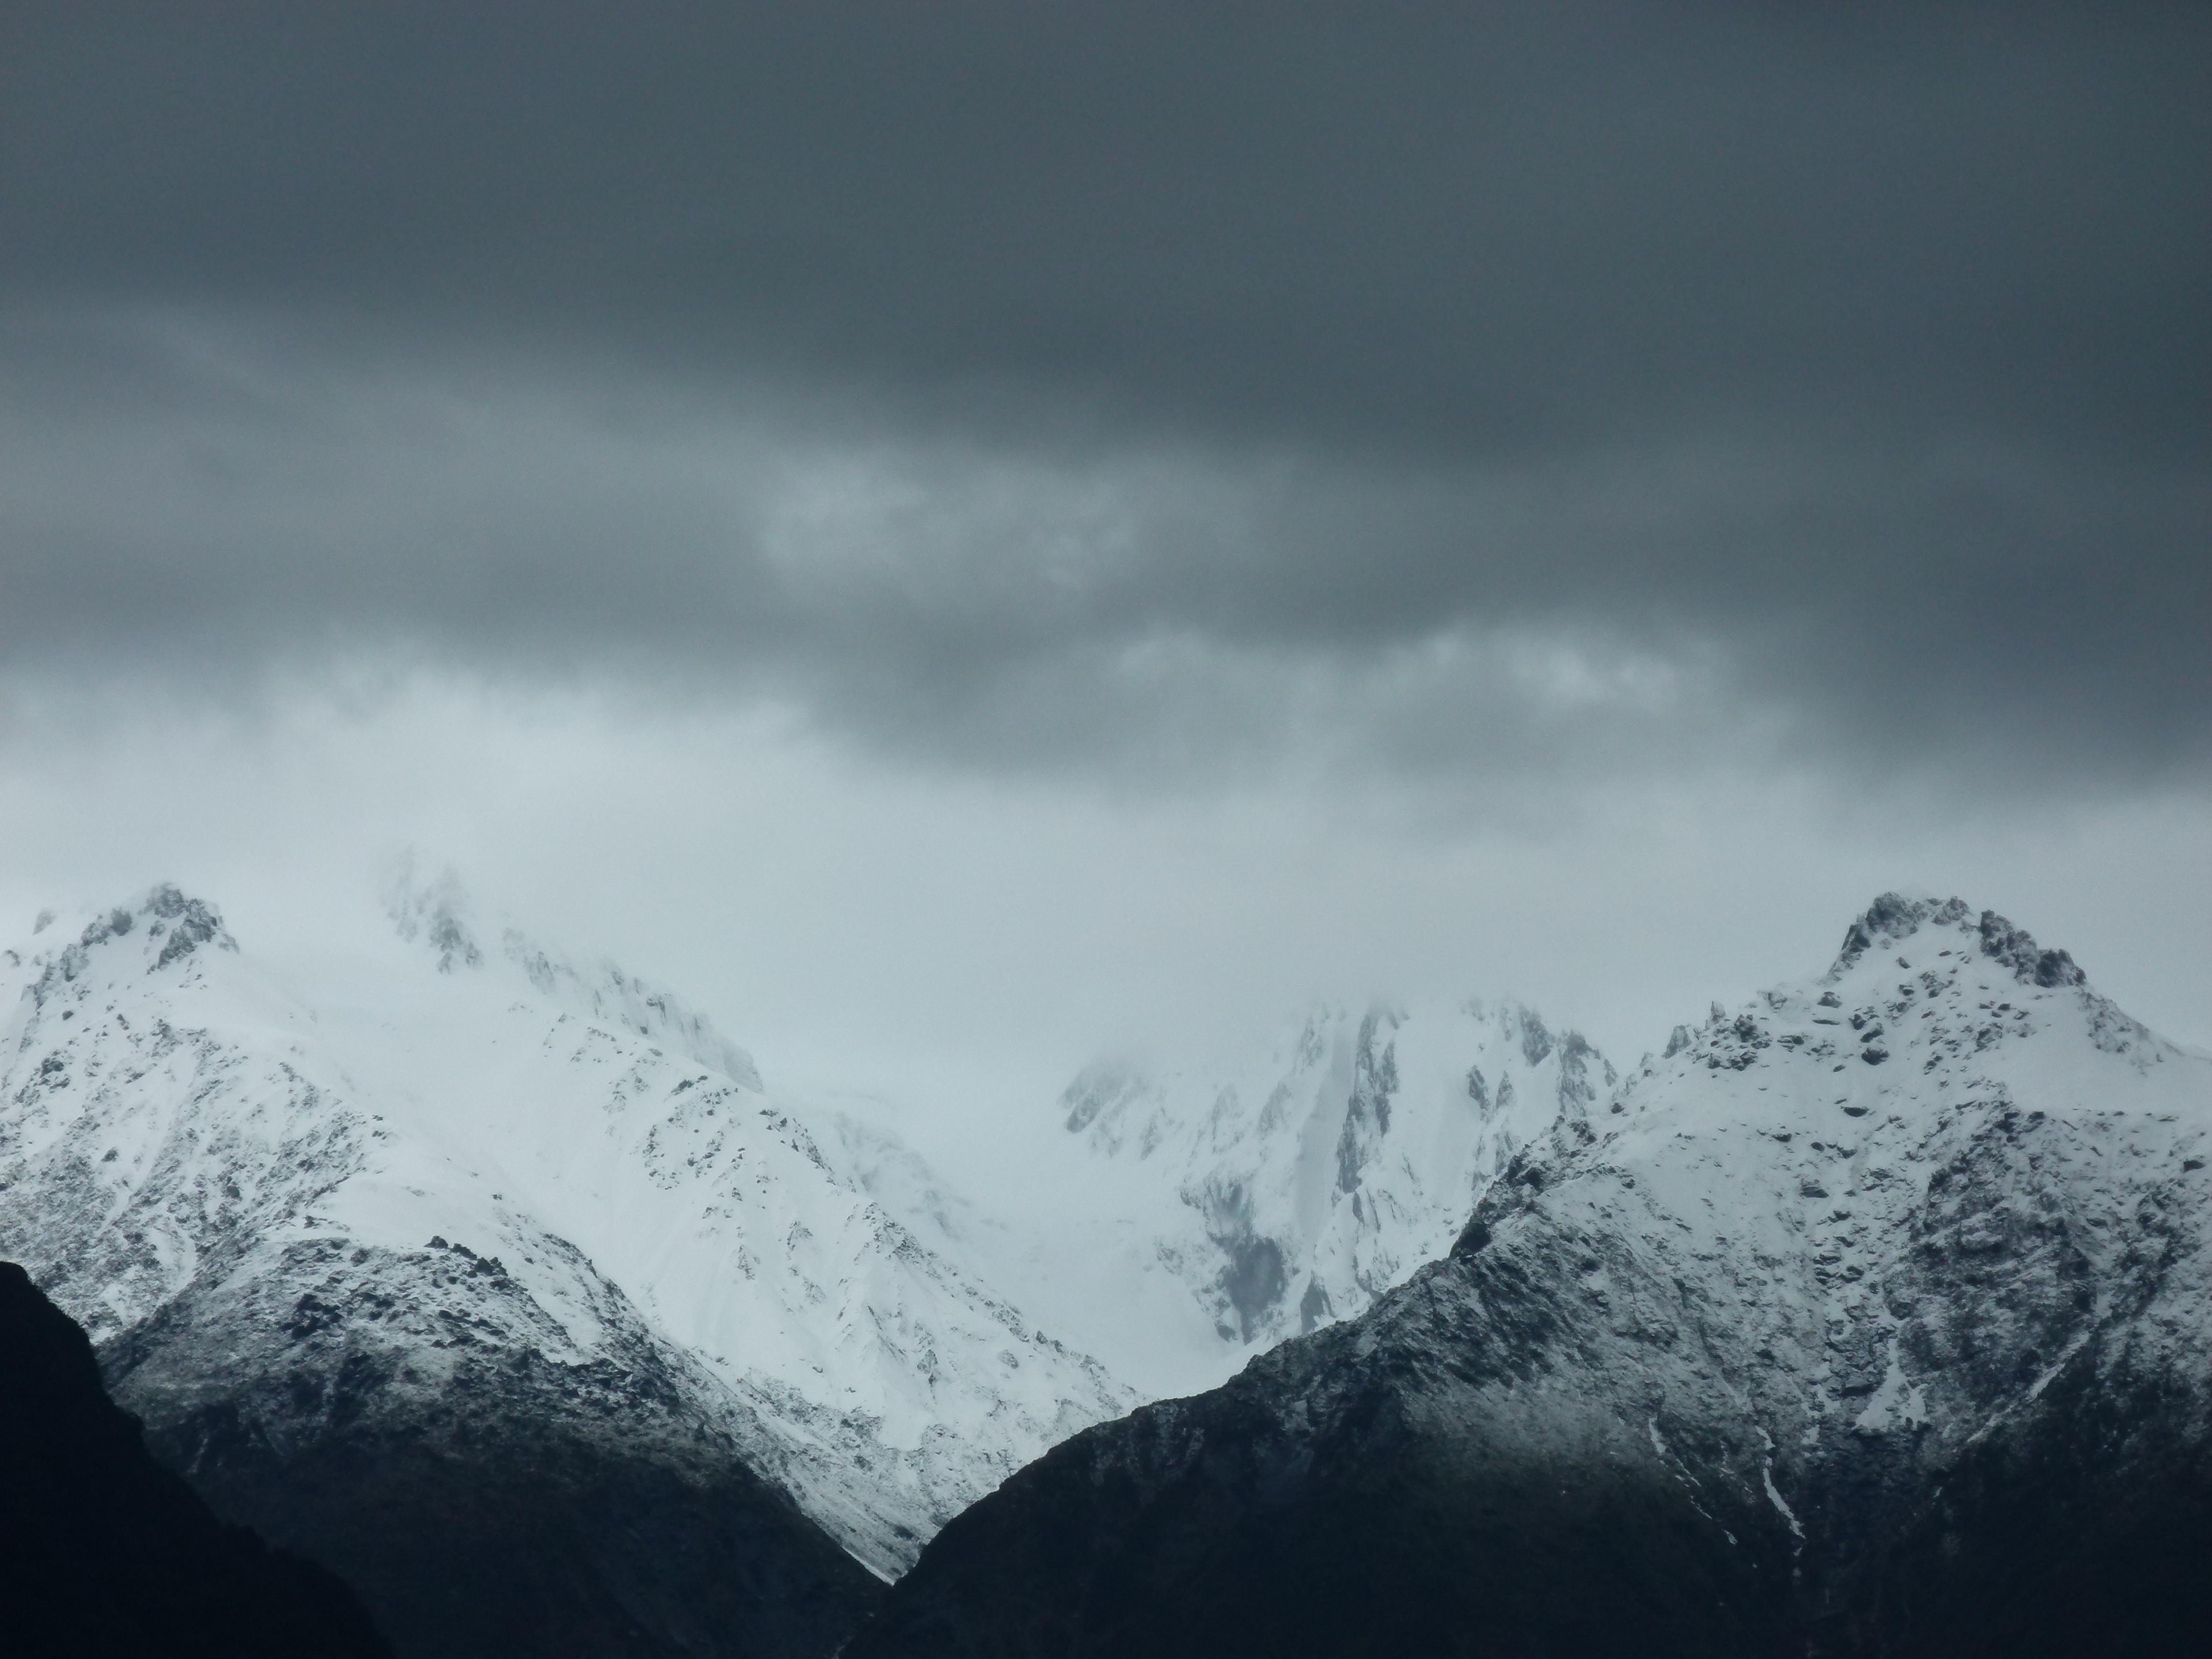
(462, 1151)
(1874, 1316)
(476, 1192)
(504, 1285)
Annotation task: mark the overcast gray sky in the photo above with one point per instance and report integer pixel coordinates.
(1025, 521)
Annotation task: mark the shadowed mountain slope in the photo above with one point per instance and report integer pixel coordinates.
(104, 1552)
(1876, 1318)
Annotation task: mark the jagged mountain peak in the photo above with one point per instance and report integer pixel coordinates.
(435, 911)
(1894, 918)
(1929, 1003)
(439, 913)
(1119, 1097)
(1324, 1168)
(158, 929)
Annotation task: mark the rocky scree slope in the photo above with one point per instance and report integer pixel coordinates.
(1321, 1174)
(104, 1553)
(500, 1285)
(1874, 1317)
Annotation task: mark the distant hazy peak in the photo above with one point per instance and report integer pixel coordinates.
(439, 914)
(1098, 1087)
(1111, 1080)
(434, 911)
(1320, 1171)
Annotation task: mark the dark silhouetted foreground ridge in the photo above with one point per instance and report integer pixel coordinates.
(103, 1551)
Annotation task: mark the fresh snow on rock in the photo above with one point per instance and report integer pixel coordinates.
(1933, 1174)
(1297, 1189)
(871, 1314)
(1875, 1315)
(1817, 1256)
(464, 1148)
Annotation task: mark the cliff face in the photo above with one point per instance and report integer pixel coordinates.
(1875, 1319)
(103, 1551)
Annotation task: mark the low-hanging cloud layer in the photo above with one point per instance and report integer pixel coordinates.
(1473, 392)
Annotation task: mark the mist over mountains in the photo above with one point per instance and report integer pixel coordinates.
(1189, 642)
(508, 1288)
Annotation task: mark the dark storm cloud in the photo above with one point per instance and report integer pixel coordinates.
(1397, 223)
(1846, 370)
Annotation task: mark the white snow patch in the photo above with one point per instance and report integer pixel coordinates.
(1774, 1497)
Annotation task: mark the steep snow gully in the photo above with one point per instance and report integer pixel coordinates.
(1870, 1318)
